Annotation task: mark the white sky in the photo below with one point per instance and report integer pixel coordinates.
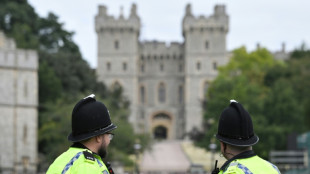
(268, 22)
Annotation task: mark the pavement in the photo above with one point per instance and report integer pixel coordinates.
(177, 157)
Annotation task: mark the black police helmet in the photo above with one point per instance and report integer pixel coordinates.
(89, 118)
(235, 126)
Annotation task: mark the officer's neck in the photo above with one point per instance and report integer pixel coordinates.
(231, 152)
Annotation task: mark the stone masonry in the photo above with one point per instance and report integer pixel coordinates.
(165, 83)
(18, 106)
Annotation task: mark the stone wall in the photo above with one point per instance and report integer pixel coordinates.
(18, 105)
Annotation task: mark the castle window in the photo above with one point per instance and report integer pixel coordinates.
(181, 94)
(155, 57)
(142, 57)
(161, 67)
(207, 44)
(161, 57)
(25, 134)
(142, 68)
(167, 56)
(205, 88)
(142, 95)
(116, 44)
(174, 56)
(25, 89)
(214, 65)
(116, 86)
(124, 66)
(181, 68)
(162, 93)
(198, 66)
(142, 114)
(162, 116)
(108, 66)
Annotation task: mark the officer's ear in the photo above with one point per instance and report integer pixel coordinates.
(99, 138)
(223, 146)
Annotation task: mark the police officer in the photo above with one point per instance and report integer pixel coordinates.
(91, 135)
(236, 135)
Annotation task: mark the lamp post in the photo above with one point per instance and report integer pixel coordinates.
(137, 148)
(212, 147)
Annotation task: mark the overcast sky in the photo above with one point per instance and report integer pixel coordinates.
(268, 22)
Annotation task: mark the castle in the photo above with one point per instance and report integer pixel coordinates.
(165, 84)
(18, 106)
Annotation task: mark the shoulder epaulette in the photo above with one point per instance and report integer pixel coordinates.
(89, 156)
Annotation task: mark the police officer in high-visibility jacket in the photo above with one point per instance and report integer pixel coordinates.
(91, 135)
(236, 136)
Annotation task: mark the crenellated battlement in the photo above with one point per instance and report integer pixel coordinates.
(154, 50)
(11, 57)
(218, 22)
(108, 23)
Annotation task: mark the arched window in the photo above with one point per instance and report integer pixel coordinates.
(142, 67)
(198, 66)
(162, 93)
(116, 86)
(161, 67)
(205, 89)
(25, 134)
(25, 89)
(181, 94)
(214, 65)
(207, 44)
(108, 66)
(161, 116)
(116, 44)
(206, 86)
(181, 68)
(124, 66)
(142, 94)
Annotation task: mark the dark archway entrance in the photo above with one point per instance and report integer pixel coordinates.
(160, 132)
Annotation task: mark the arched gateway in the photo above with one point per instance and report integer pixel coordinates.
(161, 125)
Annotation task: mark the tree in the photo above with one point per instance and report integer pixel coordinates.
(19, 20)
(254, 80)
(64, 78)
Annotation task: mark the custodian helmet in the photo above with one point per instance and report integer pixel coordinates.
(89, 118)
(235, 126)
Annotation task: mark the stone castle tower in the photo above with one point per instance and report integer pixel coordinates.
(164, 84)
(18, 106)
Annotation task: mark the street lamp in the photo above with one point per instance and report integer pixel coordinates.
(137, 148)
(212, 147)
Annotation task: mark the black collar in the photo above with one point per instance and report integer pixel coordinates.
(246, 154)
(82, 146)
(79, 145)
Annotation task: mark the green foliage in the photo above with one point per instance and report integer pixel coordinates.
(64, 78)
(54, 126)
(50, 87)
(264, 87)
(19, 20)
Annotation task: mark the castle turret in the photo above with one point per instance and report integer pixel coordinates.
(205, 50)
(118, 52)
(18, 106)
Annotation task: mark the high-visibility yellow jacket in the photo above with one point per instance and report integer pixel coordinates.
(77, 160)
(248, 163)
